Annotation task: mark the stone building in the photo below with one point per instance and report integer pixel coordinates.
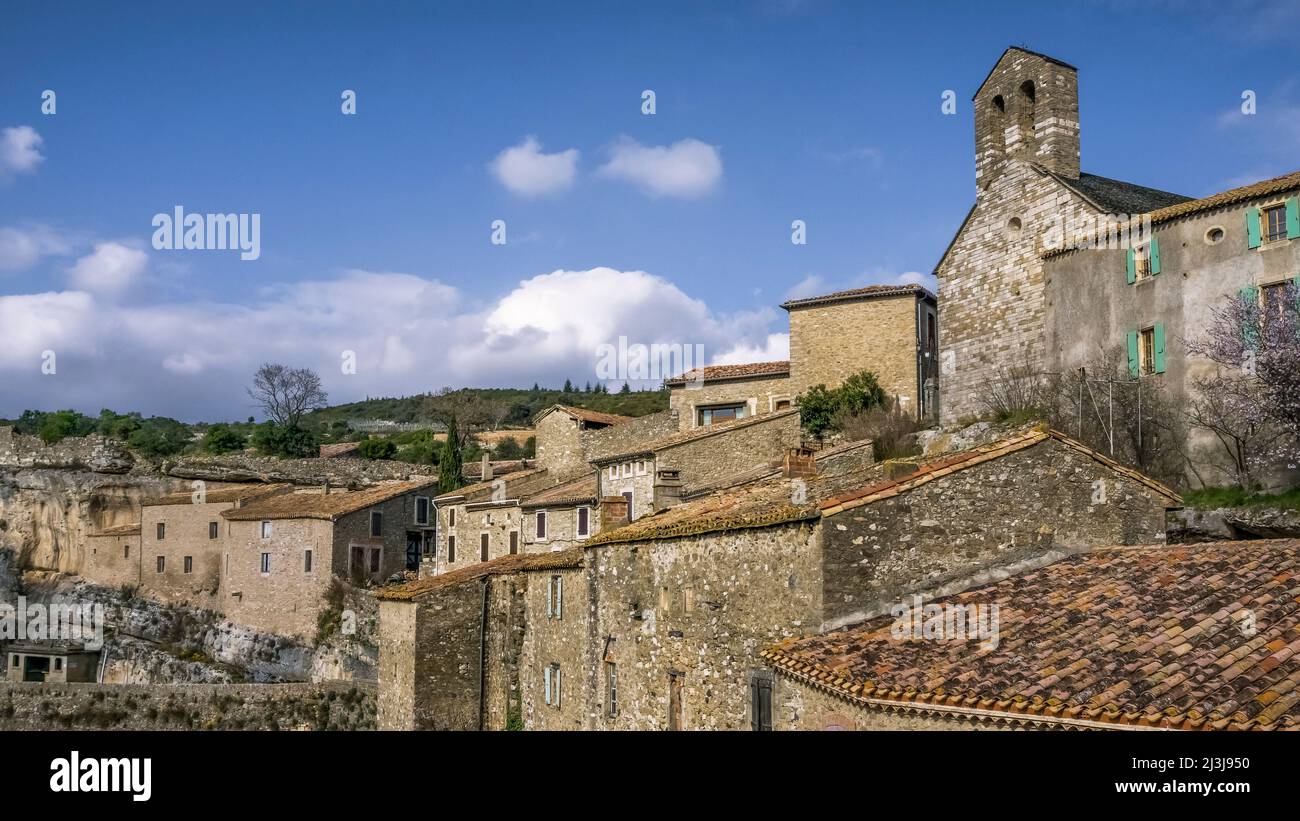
(183, 542)
(113, 557)
(724, 393)
(57, 662)
(493, 645)
(1029, 186)
(1113, 638)
(284, 551)
(481, 521)
(1140, 305)
(563, 437)
(891, 330)
(655, 475)
(561, 517)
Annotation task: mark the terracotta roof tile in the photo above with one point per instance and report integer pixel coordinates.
(517, 563)
(486, 487)
(576, 491)
(329, 506)
(869, 292)
(1151, 636)
(1264, 188)
(715, 373)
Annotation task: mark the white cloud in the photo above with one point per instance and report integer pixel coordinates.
(775, 347)
(20, 150)
(687, 168)
(525, 170)
(408, 333)
(811, 285)
(110, 269)
(21, 248)
(911, 278)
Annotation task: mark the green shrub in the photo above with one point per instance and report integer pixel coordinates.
(377, 449)
(819, 406)
(221, 438)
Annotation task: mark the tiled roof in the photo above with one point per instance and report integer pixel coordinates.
(481, 487)
(577, 491)
(119, 530)
(869, 292)
(673, 440)
(1118, 197)
(329, 506)
(338, 449)
(584, 415)
(515, 563)
(223, 495)
(1202, 636)
(938, 468)
(1277, 185)
(715, 373)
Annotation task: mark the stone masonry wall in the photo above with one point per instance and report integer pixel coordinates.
(288, 599)
(562, 638)
(710, 458)
(760, 394)
(561, 527)
(829, 343)
(1032, 505)
(560, 447)
(113, 561)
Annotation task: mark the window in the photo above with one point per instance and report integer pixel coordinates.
(421, 510)
(1273, 220)
(541, 524)
(514, 542)
(58, 665)
(720, 413)
(1276, 298)
(13, 661)
(760, 701)
(483, 547)
(213, 530)
(782, 404)
(189, 564)
(584, 521)
(306, 561)
(551, 685)
(451, 550)
(266, 563)
(126, 551)
(162, 563)
(611, 686)
(374, 560)
(162, 531)
(627, 494)
(1142, 261)
(555, 597)
(451, 517)
(376, 523)
(266, 530)
(1147, 361)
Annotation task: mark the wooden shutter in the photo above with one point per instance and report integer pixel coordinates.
(1293, 218)
(550, 598)
(547, 679)
(1252, 227)
(1159, 345)
(1155, 256)
(1133, 354)
(1132, 267)
(760, 704)
(1250, 296)
(559, 597)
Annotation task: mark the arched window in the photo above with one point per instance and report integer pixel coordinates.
(1027, 91)
(1000, 104)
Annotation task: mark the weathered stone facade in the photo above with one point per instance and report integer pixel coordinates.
(93, 453)
(487, 508)
(759, 394)
(113, 557)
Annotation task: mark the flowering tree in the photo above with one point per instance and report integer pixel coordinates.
(1251, 403)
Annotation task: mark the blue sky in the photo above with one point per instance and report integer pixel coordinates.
(375, 228)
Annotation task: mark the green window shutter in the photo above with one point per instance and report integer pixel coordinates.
(1293, 218)
(1155, 256)
(1250, 296)
(1132, 268)
(1133, 354)
(1252, 227)
(1159, 333)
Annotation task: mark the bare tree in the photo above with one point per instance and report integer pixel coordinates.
(286, 394)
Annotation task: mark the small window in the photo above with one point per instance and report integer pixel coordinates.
(541, 524)
(13, 661)
(189, 564)
(213, 530)
(782, 404)
(514, 542)
(376, 523)
(58, 665)
(999, 103)
(555, 597)
(451, 550)
(1014, 225)
(266, 530)
(760, 702)
(162, 563)
(306, 561)
(1142, 261)
(421, 510)
(1276, 299)
(1214, 236)
(483, 542)
(584, 521)
(374, 560)
(451, 517)
(720, 413)
(126, 551)
(551, 685)
(162, 531)
(266, 562)
(1147, 349)
(611, 686)
(627, 494)
(1273, 220)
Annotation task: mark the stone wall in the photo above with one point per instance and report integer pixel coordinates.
(601, 442)
(94, 453)
(1036, 504)
(43, 706)
(559, 639)
(186, 534)
(760, 395)
(339, 473)
(727, 452)
(288, 599)
(797, 706)
(114, 560)
(831, 342)
(635, 476)
(561, 527)
(560, 446)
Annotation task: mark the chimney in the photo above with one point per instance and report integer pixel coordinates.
(613, 513)
(486, 473)
(799, 463)
(668, 489)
